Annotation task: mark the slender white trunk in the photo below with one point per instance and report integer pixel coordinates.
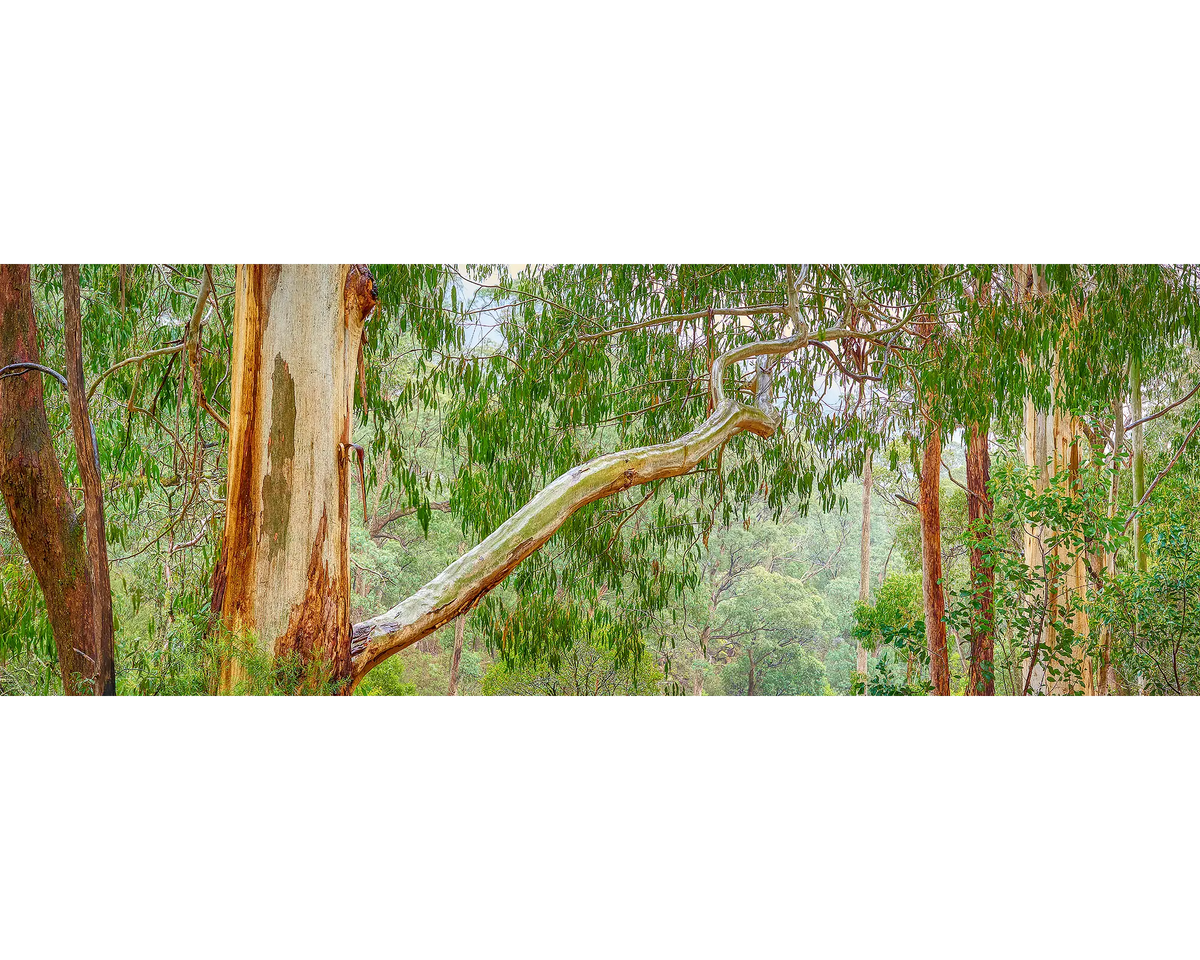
(864, 560)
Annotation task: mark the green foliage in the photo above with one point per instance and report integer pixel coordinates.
(1038, 607)
(1155, 615)
(789, 671)
(24, 627)
(386, 680)
(583, 671)
(894, 628)
(482, 384)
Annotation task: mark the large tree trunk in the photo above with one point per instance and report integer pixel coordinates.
(35, 493)
(283, 582)
(981, 680)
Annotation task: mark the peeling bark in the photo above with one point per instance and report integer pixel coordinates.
(283, 582)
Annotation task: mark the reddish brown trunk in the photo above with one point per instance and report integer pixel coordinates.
(931, 565)
(93, 492)
(35, 493)
(981, 681)
(931, 534)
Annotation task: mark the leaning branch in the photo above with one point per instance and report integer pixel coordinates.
(462, 584)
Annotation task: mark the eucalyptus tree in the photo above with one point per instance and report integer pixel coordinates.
(642, 359)
(627, 411)
(1060, 341)
(144, 481)
(38, 502)
(635, 358)
(764, 585)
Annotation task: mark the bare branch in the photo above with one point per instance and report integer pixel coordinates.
(160, 352)
(1154, 416)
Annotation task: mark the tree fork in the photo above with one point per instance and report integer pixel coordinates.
(35, 493)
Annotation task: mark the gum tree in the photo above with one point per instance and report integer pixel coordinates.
(603, 421)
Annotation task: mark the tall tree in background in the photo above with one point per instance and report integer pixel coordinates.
(931, 533)
(87, 455)
(981, 680)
